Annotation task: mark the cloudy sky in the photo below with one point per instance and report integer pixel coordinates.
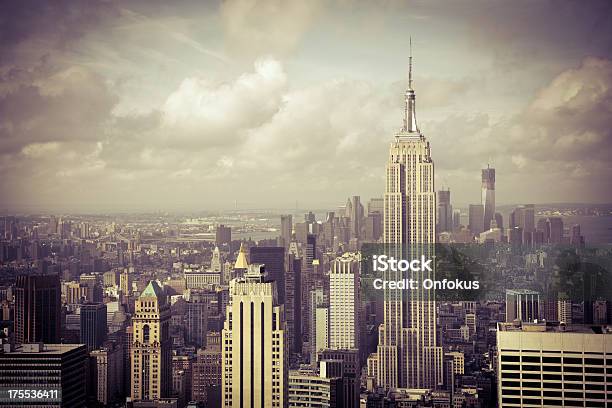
(156, 105)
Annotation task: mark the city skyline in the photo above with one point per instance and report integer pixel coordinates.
(142, 107)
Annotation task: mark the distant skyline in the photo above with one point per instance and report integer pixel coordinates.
(150, 106)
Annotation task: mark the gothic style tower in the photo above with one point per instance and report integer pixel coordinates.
(151, 349)
(408, 355)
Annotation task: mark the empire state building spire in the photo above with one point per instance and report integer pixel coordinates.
(410, 124)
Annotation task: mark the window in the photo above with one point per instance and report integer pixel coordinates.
(145, 333)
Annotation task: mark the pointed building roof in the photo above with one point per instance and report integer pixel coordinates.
(152, 290)
(241, 260)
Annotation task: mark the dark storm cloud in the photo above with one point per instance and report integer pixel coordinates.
(52, 24)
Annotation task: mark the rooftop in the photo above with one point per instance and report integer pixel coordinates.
(554, 327)
(33, 348)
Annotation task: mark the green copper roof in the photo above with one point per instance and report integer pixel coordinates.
(152, 290)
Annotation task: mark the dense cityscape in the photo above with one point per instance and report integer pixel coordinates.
(256, 309)
(231, 203)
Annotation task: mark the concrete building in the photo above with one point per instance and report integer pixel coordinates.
(206, 380)
(223, 235)
(255, 351)
(445, 211)
(476, 219)
(344, 302)
(545, 365)
(273, 259)
(108, 372)
(59, 368)
(311, 388)
(286, 229)
(408, 352)
(93, 325)
(151, 348)
(523, 305)
(37, 309)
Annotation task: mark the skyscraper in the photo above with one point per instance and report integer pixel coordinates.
(255, 354)
(523, 217)
(108, 373)
(445, 211)
(522, 304)
(273, 259)
(151, 348)
(286, 229)
(93, 325)
(354, 211)
(408, 354)
(488, 196)
(344, 304)
(37, 309)
(223, 235)
(476, 219)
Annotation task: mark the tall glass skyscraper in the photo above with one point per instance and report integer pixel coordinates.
(488, 196)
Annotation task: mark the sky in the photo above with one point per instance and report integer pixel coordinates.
(199, 105)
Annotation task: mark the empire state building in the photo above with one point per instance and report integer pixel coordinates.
(408, 355)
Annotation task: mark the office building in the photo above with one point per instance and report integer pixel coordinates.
(151, 348)
(499, 221)
(107, 373)
(319, 323)
(476, 218)
(456, 220)
(93, 325)
(344, 302)
(488, 196)
(373, 227)
(207, 374)
(286, 229)
(555, 227)
(255, 356)
(196, 318)
(293, 300)
(354, 212)
(523, 217)
(523, 305)
(445, 212)
(408, 353)
(349, 371)
(314, 388)
(273, 259)
(37, 309)
(546, 365)
(223, 235)
(60, 367)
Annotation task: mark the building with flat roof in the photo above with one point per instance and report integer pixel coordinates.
(544, 364)
(60, 369)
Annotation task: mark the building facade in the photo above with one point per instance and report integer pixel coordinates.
(59, 367)
(151, 348)
(37, 309)
(545, 365)
(344, 302)
(254, 344)
(408, 354)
